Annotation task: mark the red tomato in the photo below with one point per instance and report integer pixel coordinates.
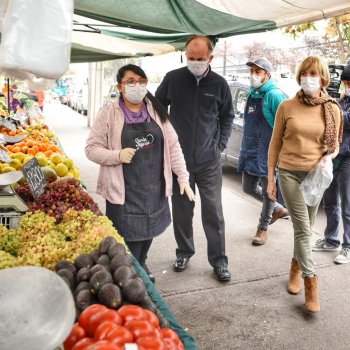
(151, 342)
(75, 335)
(82, 344)
(88, 312)
(102, 316)
(131, 312)
(103, 345)
(168, 333)
(152, 318)
(170, 345)
(120, 336)
(103, 329)
(140, 328)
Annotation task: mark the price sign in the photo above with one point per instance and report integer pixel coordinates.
(4, 157)
(35, 177)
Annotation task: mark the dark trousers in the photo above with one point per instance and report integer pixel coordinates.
(139, 249)
(336, 203)
(256, 186)
(209, 182)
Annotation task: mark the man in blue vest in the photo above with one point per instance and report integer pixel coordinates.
(263, 100)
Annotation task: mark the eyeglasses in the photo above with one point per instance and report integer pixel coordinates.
(132, 82)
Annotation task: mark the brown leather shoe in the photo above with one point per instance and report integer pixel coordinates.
(282, 214)
(295, 279)
(260, 237)
(312, 303)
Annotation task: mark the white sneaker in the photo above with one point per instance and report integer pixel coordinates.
(343, 257)
(321, 245)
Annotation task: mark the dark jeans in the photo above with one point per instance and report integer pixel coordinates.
(139, 249)
(256, 186)
(336, 203)
(209, 182)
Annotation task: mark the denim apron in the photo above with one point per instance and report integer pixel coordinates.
(256, 139)
(145, 213)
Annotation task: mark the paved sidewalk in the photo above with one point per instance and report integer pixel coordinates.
(254, 310)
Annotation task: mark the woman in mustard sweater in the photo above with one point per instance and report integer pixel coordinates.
(308, 127)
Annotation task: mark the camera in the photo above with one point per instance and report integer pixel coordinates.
(335, 71)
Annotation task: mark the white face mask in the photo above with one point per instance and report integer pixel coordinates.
(197, 68)
(347, 91)
(135, 94)
(310, 84)
(256, 81)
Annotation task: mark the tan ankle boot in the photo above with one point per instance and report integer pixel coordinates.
(295, 280)
(260, 237)
(311, 294)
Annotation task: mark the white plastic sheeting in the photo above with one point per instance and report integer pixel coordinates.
(36, 38)
(280, 11)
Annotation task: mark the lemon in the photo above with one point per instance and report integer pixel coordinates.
(15, 163)
(56, 158)
(61, 169)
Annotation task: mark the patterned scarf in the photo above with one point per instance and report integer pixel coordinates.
(330, 137)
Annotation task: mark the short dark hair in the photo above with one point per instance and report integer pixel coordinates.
(158, 107)
(202, 37)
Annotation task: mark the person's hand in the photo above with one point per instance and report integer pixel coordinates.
(185, 187)
(126, 155)
(272, 190)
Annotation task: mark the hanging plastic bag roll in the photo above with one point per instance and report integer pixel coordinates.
(317, 181)
(36, 38)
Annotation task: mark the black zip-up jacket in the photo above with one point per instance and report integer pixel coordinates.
(201, 114)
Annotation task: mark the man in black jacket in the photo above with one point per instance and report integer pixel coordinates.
(201, 112)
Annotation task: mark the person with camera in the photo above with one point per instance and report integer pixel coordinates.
(336, 199)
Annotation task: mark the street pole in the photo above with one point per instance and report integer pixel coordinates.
(224, 64)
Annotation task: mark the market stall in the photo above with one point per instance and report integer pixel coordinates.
(49, 220)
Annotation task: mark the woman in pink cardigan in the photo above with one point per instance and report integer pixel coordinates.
(137, 149)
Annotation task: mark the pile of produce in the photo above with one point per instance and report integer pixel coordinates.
(8, 132)
(39, 241)
(42, 144)
(102, 328)
(105, 276)
(59, 196)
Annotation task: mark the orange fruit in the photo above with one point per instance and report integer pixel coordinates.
(48, 153)
(25, 149)
(32, 151)
(16, 149)
(12, 133)
(54, 148)
(9, 148)
(42, 147)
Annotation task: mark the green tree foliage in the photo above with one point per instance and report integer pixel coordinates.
(337, 30)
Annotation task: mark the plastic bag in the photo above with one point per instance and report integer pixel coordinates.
(35, 38)
(317, 181)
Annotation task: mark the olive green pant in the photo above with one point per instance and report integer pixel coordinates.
(302, 215)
